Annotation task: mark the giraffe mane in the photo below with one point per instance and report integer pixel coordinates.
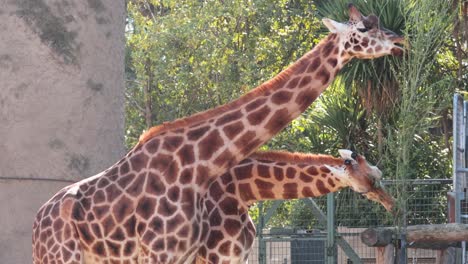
(296, 157)
(206, 115)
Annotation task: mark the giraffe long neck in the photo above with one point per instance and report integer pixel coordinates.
(220, 138)
(273, 176)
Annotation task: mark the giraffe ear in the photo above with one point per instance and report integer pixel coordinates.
(333, 26)
(346, 154)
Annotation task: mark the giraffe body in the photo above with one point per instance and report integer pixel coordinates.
(148, 207)
(272, 176)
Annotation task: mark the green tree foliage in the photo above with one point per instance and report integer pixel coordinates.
(189, 56)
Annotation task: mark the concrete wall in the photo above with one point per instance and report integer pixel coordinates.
(61, 104)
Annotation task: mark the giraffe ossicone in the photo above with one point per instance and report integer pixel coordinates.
(148, 207)
(277, 175)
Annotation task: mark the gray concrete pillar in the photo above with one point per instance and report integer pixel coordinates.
(61, 104)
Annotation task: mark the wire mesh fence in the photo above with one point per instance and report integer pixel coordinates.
(297, 233)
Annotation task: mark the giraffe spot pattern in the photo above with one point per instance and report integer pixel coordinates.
(290, 190)
(161, 162)
(243, 172)
(231, 226)
(293, 82)
(172, 143)
(165, 208)
(173, 193)
(255, 104)
(331, 183)
(186, 155)
(213, 238)
(314, 65)
(259, 115)
(347, 45)
(215, 191)
(290, 173)
(305, 178)
(279, 173)
(209, 144)
(224, 159)
(124, 168)
(229, 206)
(146, 207)
(278, 121)
(186, 176)
(324, 169)
(154, 185)
(101, 211)
(174, 222)
(118, 234)
(202, 175)
(99, 249)
(246, 192)
(225, 248)
(307, 192)
(265, 188)
(139, 161)
(321, 187)
(233, 129)
(122, 208)
(196, 134)
(357, 48)
(328, 48)
(305, 99)
(136, 187)
(305, 81)
(129, 226)
(229, 117)
(125, 180)
(215, 218)
(323, 75)
(245, 139)
(112, 192)
(332, 62)
(263, 171)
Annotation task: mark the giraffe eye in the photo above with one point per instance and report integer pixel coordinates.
(363, 30)
(347, 162)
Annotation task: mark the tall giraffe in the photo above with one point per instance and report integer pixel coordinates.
(272, 176)
(147, 207)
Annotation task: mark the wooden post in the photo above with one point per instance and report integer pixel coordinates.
(385, 254)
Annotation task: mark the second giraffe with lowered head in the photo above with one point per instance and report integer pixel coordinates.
(275, 176)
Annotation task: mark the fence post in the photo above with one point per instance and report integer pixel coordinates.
(459, 156)
(331, 247)
(261, 243)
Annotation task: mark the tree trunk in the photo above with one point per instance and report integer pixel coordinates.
(61, 104)
(147, 94)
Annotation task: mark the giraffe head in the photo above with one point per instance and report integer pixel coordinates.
(362, 178)
(363, 38)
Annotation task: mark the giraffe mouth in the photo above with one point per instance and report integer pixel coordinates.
(400, 44)
(381, 196)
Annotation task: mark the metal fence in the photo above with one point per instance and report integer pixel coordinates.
(292, 239)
